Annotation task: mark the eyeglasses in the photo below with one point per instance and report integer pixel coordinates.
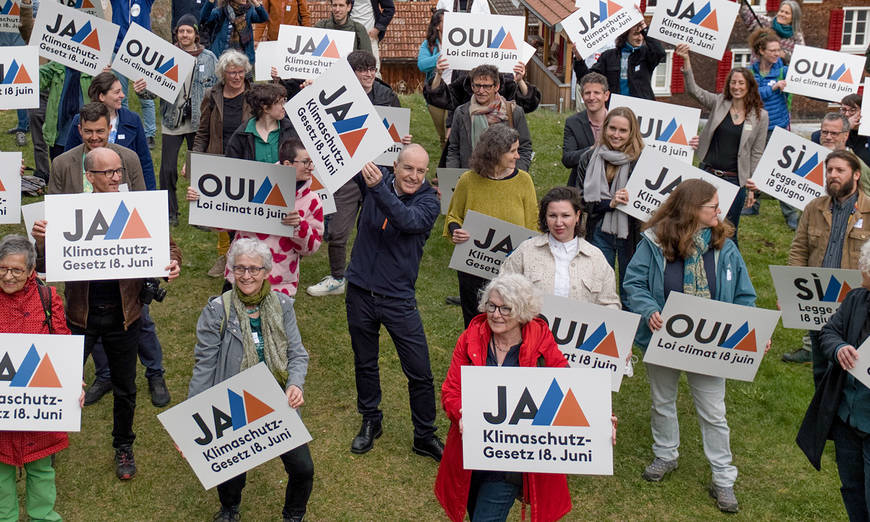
(240, 270)
(370, 70)
(831, 133)
(17, 272)
(504, 310)
(305, 163)
(711, 206)
(849, 111)
(235, 73)
(110, 173)
(482, 86)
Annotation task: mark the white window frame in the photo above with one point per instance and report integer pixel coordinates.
(855, 48)
(650, 8)
(668, 64)
(756, 5)
(741, 50)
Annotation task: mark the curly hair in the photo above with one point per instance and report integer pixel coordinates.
(495, 141)
(231, 57)
(634, 144)
(517, 292)
(759, 39)
(263, 95)
(752, 100)
(571, 195)
(486, 71)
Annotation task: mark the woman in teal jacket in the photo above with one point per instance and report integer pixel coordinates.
(686, 247)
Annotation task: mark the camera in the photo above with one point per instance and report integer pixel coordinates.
(151, 291)
(187, 110)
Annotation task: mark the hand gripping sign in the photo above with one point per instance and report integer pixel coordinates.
(163, 66)
(656, 175)
(538, 420)
(809, 296)
(711, 337)
(824, 74)
(397, 121)
(108, 235)
(792, 169)
(40, 382)
(19, 78)
(492, 240)
(10, 187)
(861, 371)
(705, 25)
(10, 16)
(242, 195)
(338, 125)
(476, 39)
(664, 126)
(308, 52)
(73, 38)
(591, 336)
(597, 22)
(234, 426)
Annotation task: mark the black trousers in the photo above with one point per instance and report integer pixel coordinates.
(365, 315)
(469, 294)
(169, 166)
(300, 480)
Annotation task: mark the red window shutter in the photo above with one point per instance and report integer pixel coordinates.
(678, 85)
(642, 6)
(723, 69)
(772, 6)
(835, 29)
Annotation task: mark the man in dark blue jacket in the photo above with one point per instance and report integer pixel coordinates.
(397, 215)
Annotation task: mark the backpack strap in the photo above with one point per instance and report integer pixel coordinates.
(225, 301)
(45, 297)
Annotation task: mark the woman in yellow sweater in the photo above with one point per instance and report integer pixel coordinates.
(495, 187)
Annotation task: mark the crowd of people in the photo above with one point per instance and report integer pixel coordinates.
(87, 140)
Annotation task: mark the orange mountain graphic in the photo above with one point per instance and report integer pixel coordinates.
(352, 140)
(275, 197)
(747, 344)
(255, 408)
(135, 228)
(570, 413)
(172, 74)
(710, 22)
(331, 51)
(44, 376)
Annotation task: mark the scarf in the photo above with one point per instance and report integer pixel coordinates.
(595, 186)
(237, 14)
(484, 116)
(694, 274)
(784, 31)
(272, 324)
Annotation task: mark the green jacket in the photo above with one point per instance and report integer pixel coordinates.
(51, 79)
(362, 42)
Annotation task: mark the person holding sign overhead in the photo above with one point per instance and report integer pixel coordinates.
(233, 22)
(247, 325)
(686, 247)
(786, 24)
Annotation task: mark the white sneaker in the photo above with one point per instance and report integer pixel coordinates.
(327, 286)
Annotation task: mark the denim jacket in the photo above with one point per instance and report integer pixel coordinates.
(203, 78)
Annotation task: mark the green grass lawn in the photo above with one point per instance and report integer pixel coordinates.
(390, 482)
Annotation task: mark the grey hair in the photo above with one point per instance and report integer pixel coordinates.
(15, 244)
(864, 258)
(517, 292)
(493, 143)
(795, 15)
(840, 117)
(228, 58)
(250, 247)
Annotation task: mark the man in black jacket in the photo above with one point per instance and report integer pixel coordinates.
(582, 129)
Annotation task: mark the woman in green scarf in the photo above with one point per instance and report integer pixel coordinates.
(786, 24)
(247, 325)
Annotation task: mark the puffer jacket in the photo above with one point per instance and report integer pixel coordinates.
(775, 102)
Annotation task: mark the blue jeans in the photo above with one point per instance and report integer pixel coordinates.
(853, 465)
(150, 351)
(149, 117)
(493, 501)
(613, 248)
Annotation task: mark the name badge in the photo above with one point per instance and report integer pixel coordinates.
(288, 8)
(748, 127)
(859, 223)
(121, 136)
(201, 68)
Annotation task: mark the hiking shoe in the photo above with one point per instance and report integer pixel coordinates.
(228, 514)
(159, 392)
(453, 300)
(657, 470)
(327, 286)
(20, 139)
(726, 501)
(99, 388)
(125, 464)
(217, 270)
(151, 142)
(798, 356)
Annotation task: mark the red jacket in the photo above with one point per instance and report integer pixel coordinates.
(22, 312)
(546, 493)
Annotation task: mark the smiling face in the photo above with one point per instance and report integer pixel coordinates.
(784, 15)
(234, 77)
(410, 170)
(508, 160)
(484, 89)
(94, 134)
(708, 213)
(186, 36)
(635, 35)
(10, 282)
(617, 132)
(250, 274)
(106, 172)
(303, 164)
(366, 77)
(737, 86)
(771, 52)
(498, 323)
(833, 135)
(594, 96)
(113, 97)
(340, 9)
(562, 220)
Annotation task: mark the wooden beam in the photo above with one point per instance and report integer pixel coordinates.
(569, 61)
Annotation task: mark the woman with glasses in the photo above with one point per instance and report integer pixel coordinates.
(247, 325)
(786, 24)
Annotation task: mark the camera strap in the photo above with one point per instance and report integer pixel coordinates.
(45, 298)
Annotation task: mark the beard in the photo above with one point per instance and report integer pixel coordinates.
(845, 189)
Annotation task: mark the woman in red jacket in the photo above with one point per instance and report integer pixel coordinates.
(22, 311)
(508, 334)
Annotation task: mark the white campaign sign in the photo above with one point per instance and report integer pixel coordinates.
(338, 125)
(711, 337)
(163, 66)
(705, 25)
(447, 180)
(308, 52)
(91, 7)
(476, 39)
(42, 382)
(823, 74)
(809, 296)
(31, 214)
(19, 78)
(861, 371)
(107, 235)
(73, 38)
(10, 187)
(527, 50)
(597, 22)
(326, 197)
(267, 55)
(239, 194)
(492, 240)
(10, 16)
(234, 426)
(792, 169)
(397, 121)
(656, 175)
(590, 335)
(540, 420)
(864, 127)
(664, 126)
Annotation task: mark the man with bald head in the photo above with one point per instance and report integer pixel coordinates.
(398, 212)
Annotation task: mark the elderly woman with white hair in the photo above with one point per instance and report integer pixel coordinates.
(786, 24)
(247, 325)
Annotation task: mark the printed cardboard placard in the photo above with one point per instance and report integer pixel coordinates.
(19, 78)
(664, 126)
(792, 169)
(492, 240)
(74, 38)
(10, 187)
(267, 55)
(597, 22)
(41, 382)
(705, 25)
(234, 426)
(476, 39)
(397, 121)
(338, 125)
(864, 127)
(447, 180)
(656, 175)
(538, 420)
(527, 50)
(239, 194)
(308, 52)
(10, 16)
(326, 197)
(823, 74)
(711, 337)
(91, 7)
(809, 296)
(32, 213)
(590, 335)
(861, 371)
(107, 235)
(163, 66)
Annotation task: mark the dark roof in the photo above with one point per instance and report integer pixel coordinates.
(551, 12)
(506, 7)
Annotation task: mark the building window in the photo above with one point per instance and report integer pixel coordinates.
(651, 6)
(740, 58)
(855, 29)
(661, 78)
